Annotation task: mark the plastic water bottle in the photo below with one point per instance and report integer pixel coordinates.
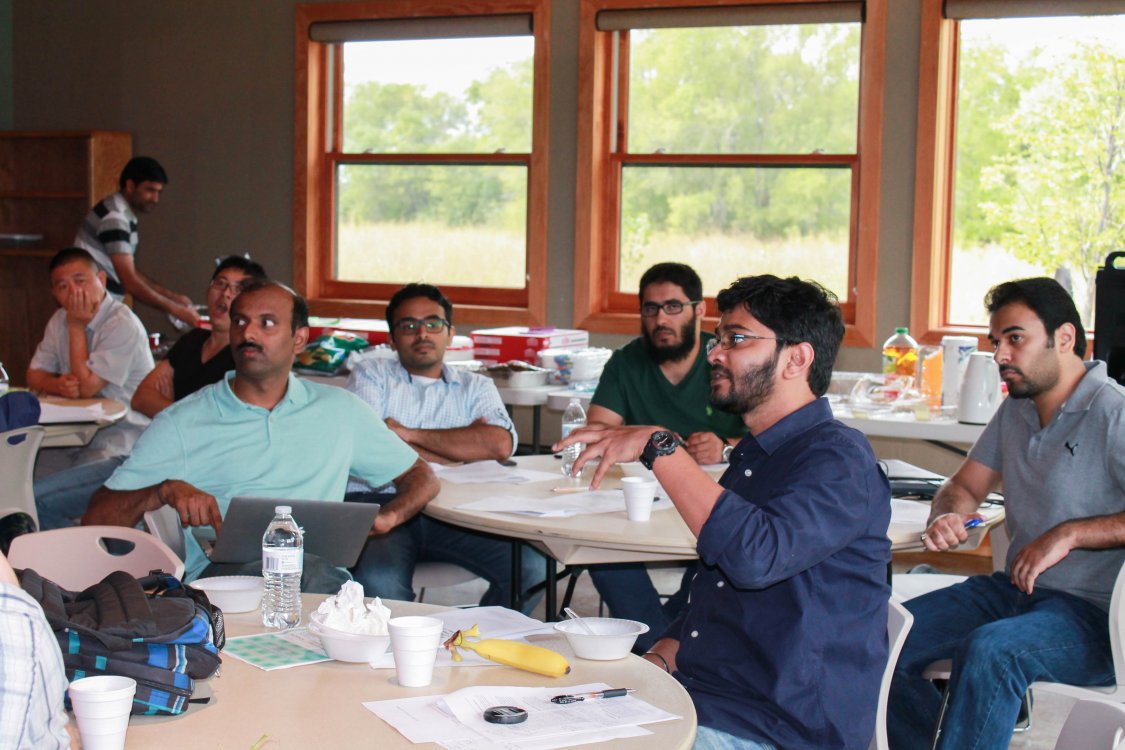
(4, 383)
(574, 418)
(283, 558)
(900, 354)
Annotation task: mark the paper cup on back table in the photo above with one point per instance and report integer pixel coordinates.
(414, 643)
(101, 708)
(639, 494)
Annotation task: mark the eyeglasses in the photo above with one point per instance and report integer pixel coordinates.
(221, 285)
(671, 307)
(728, 341)
(411, 326)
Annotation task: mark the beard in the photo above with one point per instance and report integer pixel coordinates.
(673, 352)
(748, 390)
(1027, 387)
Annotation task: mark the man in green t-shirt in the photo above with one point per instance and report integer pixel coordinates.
(662, 377)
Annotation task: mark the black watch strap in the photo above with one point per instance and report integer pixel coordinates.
(660, 443)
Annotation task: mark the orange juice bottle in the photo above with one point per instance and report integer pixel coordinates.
(900, 354)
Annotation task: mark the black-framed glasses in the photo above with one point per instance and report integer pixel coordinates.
(221, 285)
(411, 326)
(671, 307)
(728, 341)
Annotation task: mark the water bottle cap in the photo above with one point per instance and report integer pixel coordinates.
(283, 510)
(902, 329)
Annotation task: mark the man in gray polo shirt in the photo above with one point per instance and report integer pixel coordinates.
(1058, 446)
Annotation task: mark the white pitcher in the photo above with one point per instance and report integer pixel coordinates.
(980, 390)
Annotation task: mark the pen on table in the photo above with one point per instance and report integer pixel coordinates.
(612, 693)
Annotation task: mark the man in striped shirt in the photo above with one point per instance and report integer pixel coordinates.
(109, 233)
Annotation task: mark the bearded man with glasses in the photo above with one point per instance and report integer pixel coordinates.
(447, 415)
(662, 377)
(784, 641)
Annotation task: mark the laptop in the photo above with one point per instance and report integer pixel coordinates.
(335, 531)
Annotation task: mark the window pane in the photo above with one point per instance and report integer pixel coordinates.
(438, 96)
(731, 222)
(454, 225)
(1040, 179)
(747, 89)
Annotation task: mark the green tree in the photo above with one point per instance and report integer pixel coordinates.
(1063, 172)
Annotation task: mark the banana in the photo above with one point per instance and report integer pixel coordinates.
(525, 656)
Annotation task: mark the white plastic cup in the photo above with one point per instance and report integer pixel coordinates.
(414, 643)
(101, 708)
(639, 495)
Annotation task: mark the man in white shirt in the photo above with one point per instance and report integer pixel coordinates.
(447, 415)
(93, 346)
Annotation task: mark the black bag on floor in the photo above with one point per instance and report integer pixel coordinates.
(154, 629)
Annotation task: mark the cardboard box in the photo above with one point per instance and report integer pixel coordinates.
(375, 331)
(494, 345)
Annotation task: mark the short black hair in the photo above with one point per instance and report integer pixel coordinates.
(71, 254)
(1047, 299)
(242, 263)
(796, 311)
(300, 314)
(680, 274)
(142, 169)
(410, 291)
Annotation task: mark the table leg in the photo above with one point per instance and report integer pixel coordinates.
(551, 608)
(517, 575)
(536, 417)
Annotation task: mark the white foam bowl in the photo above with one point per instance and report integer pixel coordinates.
(349, 647)
(636, 469)
(612, 639)
(232, 593)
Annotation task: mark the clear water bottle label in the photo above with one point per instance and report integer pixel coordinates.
(282, 560)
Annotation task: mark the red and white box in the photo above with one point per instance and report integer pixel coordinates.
(495, 345)
(374, 331)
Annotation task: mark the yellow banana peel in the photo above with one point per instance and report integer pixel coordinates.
(525, 656)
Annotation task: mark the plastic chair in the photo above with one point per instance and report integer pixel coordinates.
(1093, 725)
(899, 621)
(436, 575)
(164, 524)
(18, 449)
(77, 557)
(1114, 693)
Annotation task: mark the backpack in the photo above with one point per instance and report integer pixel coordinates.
(164, 639)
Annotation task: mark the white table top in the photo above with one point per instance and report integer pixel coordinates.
(574, 540)
(908, 428)
(76, 434)
(319, 705)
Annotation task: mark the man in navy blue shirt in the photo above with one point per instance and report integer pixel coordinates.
(784, 641)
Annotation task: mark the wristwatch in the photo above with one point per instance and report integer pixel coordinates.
(660, 443)
(727, 450)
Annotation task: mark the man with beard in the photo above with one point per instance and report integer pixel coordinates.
(661, 377)
(783, 643)
(1058, 446)
(261, 431)
(109, 233)
(447, 415)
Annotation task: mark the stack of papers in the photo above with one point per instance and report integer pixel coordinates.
(58, 414)
(562, 505)
(456, 721)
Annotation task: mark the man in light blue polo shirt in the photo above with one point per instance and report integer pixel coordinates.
(262, 432)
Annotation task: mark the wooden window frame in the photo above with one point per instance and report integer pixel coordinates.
(597, 303)
(934, 171)
(315, 168)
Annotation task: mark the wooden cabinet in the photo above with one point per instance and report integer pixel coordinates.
(48, 181)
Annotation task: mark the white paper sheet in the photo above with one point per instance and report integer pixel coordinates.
(479, 472)
(560, 504)
(456, 720)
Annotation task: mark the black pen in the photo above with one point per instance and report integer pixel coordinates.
(612, 693)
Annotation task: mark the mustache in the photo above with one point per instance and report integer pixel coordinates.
(248, 345)
(1004, 369)
(717, 369)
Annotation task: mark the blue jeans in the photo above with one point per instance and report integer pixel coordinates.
(386, 565)
(1000, 640)
(627, 590)
(709, 738)
(61, 498)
